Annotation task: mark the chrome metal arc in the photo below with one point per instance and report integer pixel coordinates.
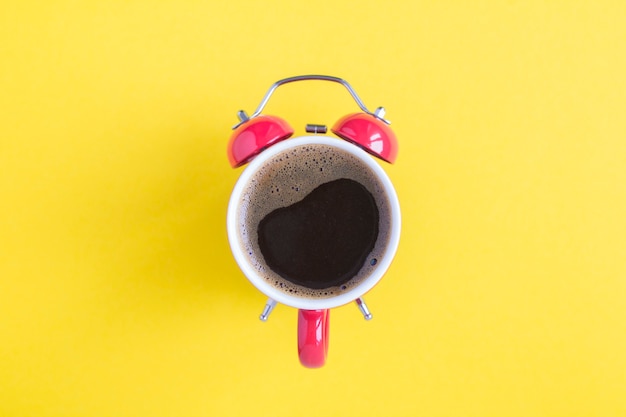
(378, 113)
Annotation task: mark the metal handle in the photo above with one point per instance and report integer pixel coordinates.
(378, 113)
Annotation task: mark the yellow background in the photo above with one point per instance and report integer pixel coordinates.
(118, 293)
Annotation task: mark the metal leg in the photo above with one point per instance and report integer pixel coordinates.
(363, 307)
(269, 306)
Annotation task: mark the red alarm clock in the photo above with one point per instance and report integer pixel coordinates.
(313, 221)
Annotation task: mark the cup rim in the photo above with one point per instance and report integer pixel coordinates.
(259, 281)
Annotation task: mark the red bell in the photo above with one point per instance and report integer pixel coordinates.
(253, 136)
(370, 133)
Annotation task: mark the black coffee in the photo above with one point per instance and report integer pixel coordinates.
(278, 217)
(323, 240)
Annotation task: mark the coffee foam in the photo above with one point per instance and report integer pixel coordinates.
(287, 178)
